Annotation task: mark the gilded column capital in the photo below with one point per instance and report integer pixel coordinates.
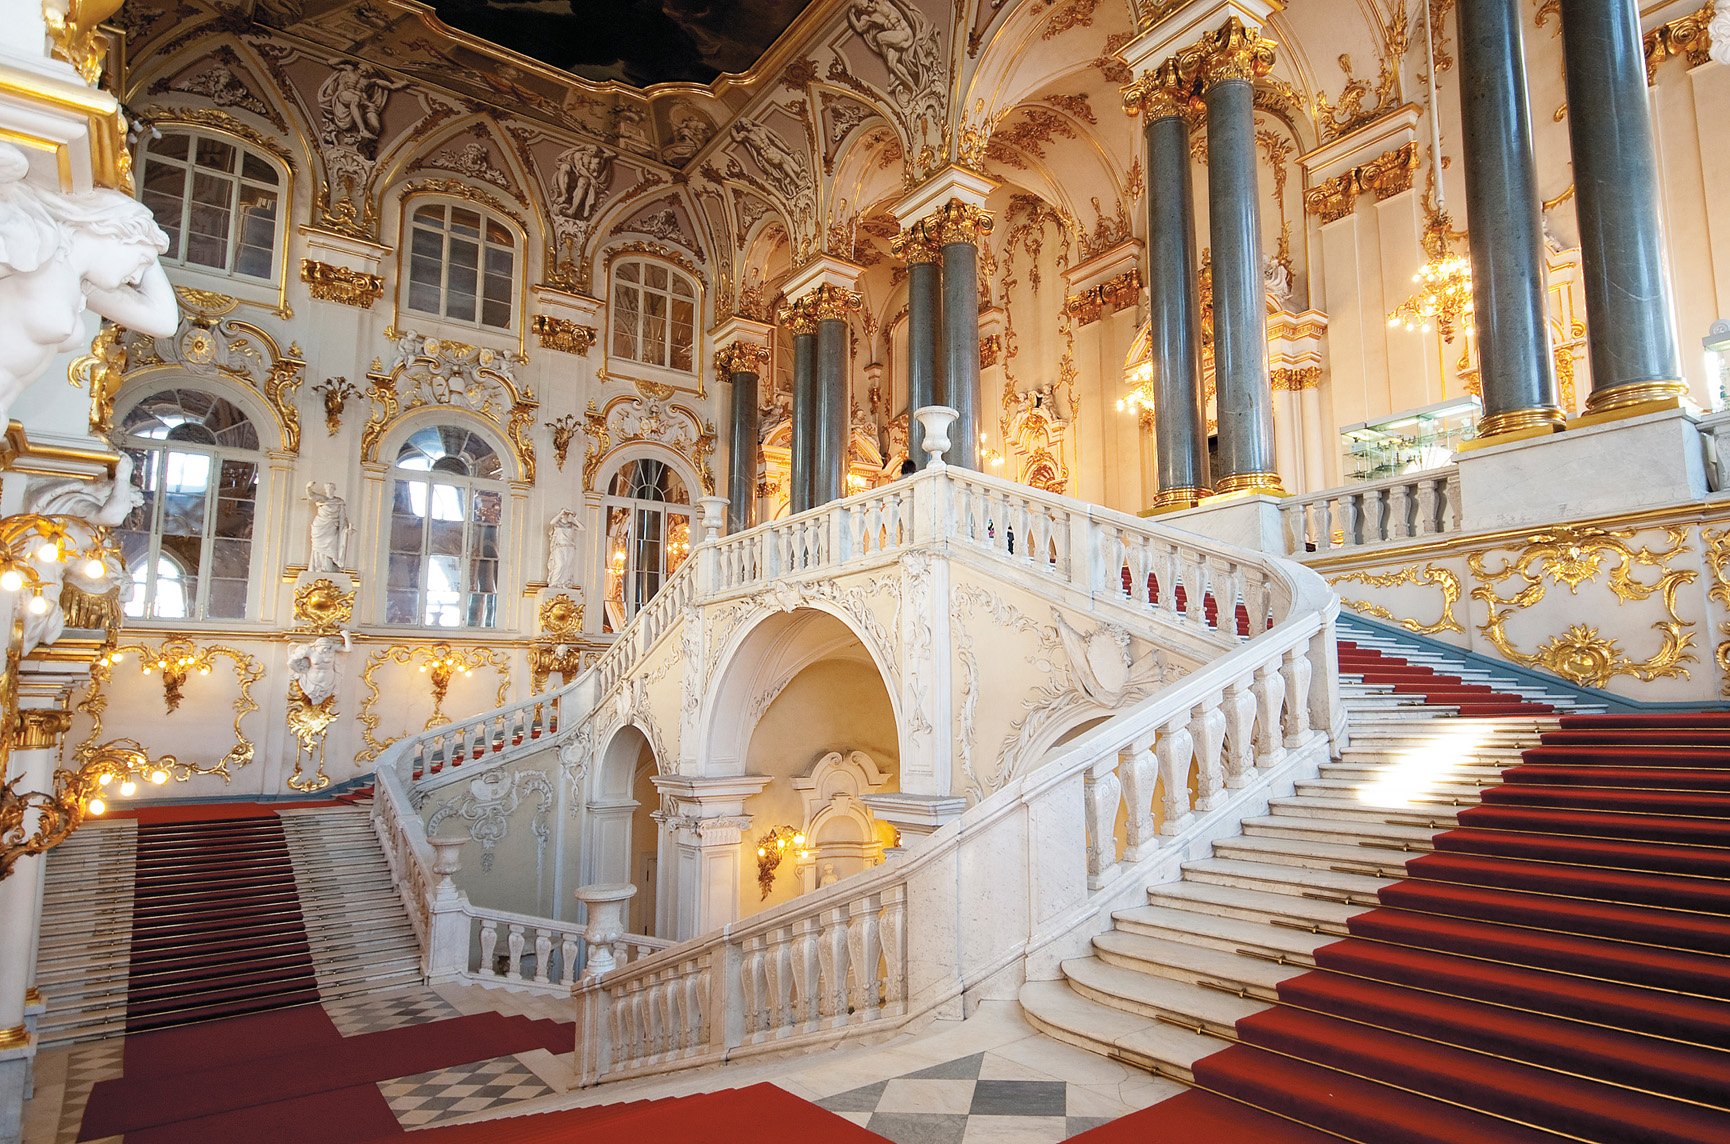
(958, 222)
(741, 357)
(1234, 52)
(40, 728)
(797, 318)
(829, 301)
(1163, 93)
(916, 244)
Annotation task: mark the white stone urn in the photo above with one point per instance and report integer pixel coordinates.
(714, 517)
(447, 860)
(936, 420)
(607, 902)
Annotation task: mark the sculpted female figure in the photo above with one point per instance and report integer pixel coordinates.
(563, 550)
(330, 528)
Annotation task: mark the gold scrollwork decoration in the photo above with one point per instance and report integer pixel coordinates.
(176, 659)
(102, 370)
(432, 656)
(561, 617)
(1428, 575)
(563, 335)
(322, 607)
(1575, 555)
(1717, 553)
(309, 721)
(328, 283)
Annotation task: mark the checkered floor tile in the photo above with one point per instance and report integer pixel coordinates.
(85, 1065)
(379, 1011)
(443, 1093)
(965, 1101)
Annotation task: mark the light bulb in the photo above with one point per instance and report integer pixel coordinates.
(467, 673)
(780, 844)
(762, 853)
(48, 553)
(127, 787)
(147, 671)
(97, 806)
(94, 569)
(11, 580)
(38, 604)
(115, 657)
(158, 776)
(104, 779)
(204, 671)
(800, 839)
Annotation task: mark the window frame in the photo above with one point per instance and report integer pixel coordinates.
(157, 449)
(148, 153)
(467, 485)
(630, 575)
(513, 298)
(690, 379)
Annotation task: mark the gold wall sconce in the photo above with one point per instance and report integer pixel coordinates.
(773, 847)
(177, 658)
(335, 392)
(564, 430)
(115, 767)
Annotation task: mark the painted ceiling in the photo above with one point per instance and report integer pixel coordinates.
(636, 41)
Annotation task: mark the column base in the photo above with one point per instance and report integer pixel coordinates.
(1258, 484)
(1517, 424)
(1635, 400)
(1178, 499)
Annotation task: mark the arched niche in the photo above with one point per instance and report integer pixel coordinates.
(621, 837)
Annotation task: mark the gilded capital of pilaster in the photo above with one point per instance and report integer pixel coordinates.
(956, 221)
(1163, 93)
(830, 301)
(796, 318)
(741, 357)
(1234, 52)
(40, 728)
(916, 244)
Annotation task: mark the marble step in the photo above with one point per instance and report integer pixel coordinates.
(1147, 996)
(1281, 879)
(1333, 808)
(1060, 1012)
(1252, 905)
(1191, 963)
(1340, 831)
(1385, 863)
(1428, 792)
(1213, 931)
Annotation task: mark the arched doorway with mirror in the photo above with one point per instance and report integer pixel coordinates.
(621, 839)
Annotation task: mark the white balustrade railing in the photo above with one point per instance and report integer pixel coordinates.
(1715, 428)
(1373, 512)
(836, 958)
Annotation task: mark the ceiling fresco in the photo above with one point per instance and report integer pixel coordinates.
(639, 42)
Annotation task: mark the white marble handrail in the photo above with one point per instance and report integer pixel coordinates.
(1373, 512)
(1045, 854)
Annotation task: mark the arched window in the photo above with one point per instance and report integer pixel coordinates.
(216, 200)
(461, 265)
(189, 544)
(654, 315)
(648, 535)
(448, 502)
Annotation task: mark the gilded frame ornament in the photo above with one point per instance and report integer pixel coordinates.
(1428, 575)
(471, 657)
(247, 669)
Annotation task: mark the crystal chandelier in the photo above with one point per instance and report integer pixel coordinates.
(1444, 296)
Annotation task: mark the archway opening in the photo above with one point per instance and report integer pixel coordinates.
(623, 839)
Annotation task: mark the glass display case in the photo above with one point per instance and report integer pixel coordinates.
(1408, 442)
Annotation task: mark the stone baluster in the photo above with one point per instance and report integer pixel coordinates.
(489, 945)
(1139, 771)
(568, 948)
(543, 955)
(894, 937)
(864, 952)
(804, 969)
(778, 966)
(1239, 710)
(1269, 699)
(1207, 730)
(1295, 671)
(1175, 748)
(1102, 791)
(514, 943)
(752, 989)
(832, 963)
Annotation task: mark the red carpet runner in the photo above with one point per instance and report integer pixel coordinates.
(1558, 968)
(216, 924)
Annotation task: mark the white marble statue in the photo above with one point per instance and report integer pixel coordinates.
(61, 253)
(563, 550)
(94, 503)
(312, 665)
(330, 528)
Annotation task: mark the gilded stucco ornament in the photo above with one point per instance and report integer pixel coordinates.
(1163, 93)
(1429, 574)
(174, 662)
(563, 335)
(212, 347)
(1234, 52)
(328, 283)
(629, 420)
(440, 663)
(443, 372)
(741, 357)
(561, 617)
(101, 371)
(1717, 542)
(1574, 555)
(322, 607)
(959, 222)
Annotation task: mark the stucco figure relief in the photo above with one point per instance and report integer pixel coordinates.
(330, 528)
(580, 177)
(61, 253)
(352, 101)
(564, 550)
(784, 169)
(903, 39)
(312, 666)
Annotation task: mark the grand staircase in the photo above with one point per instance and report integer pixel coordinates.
(1498, 917)
(162, 923)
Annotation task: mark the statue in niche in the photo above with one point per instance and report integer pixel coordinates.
(352, 101)
(779, 164)
(899, 38)
(564, 550)
(579, 181)
(330, 528)
(829, 877)
(61, 253)
(312, 666)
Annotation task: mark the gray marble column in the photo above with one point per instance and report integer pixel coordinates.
(1510, 311)
(1631, 316)
(804, 332)
(1236, 55)
(742, 367)
(1180, 418)
(829, 449)
(922, 322)
(957, 228)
